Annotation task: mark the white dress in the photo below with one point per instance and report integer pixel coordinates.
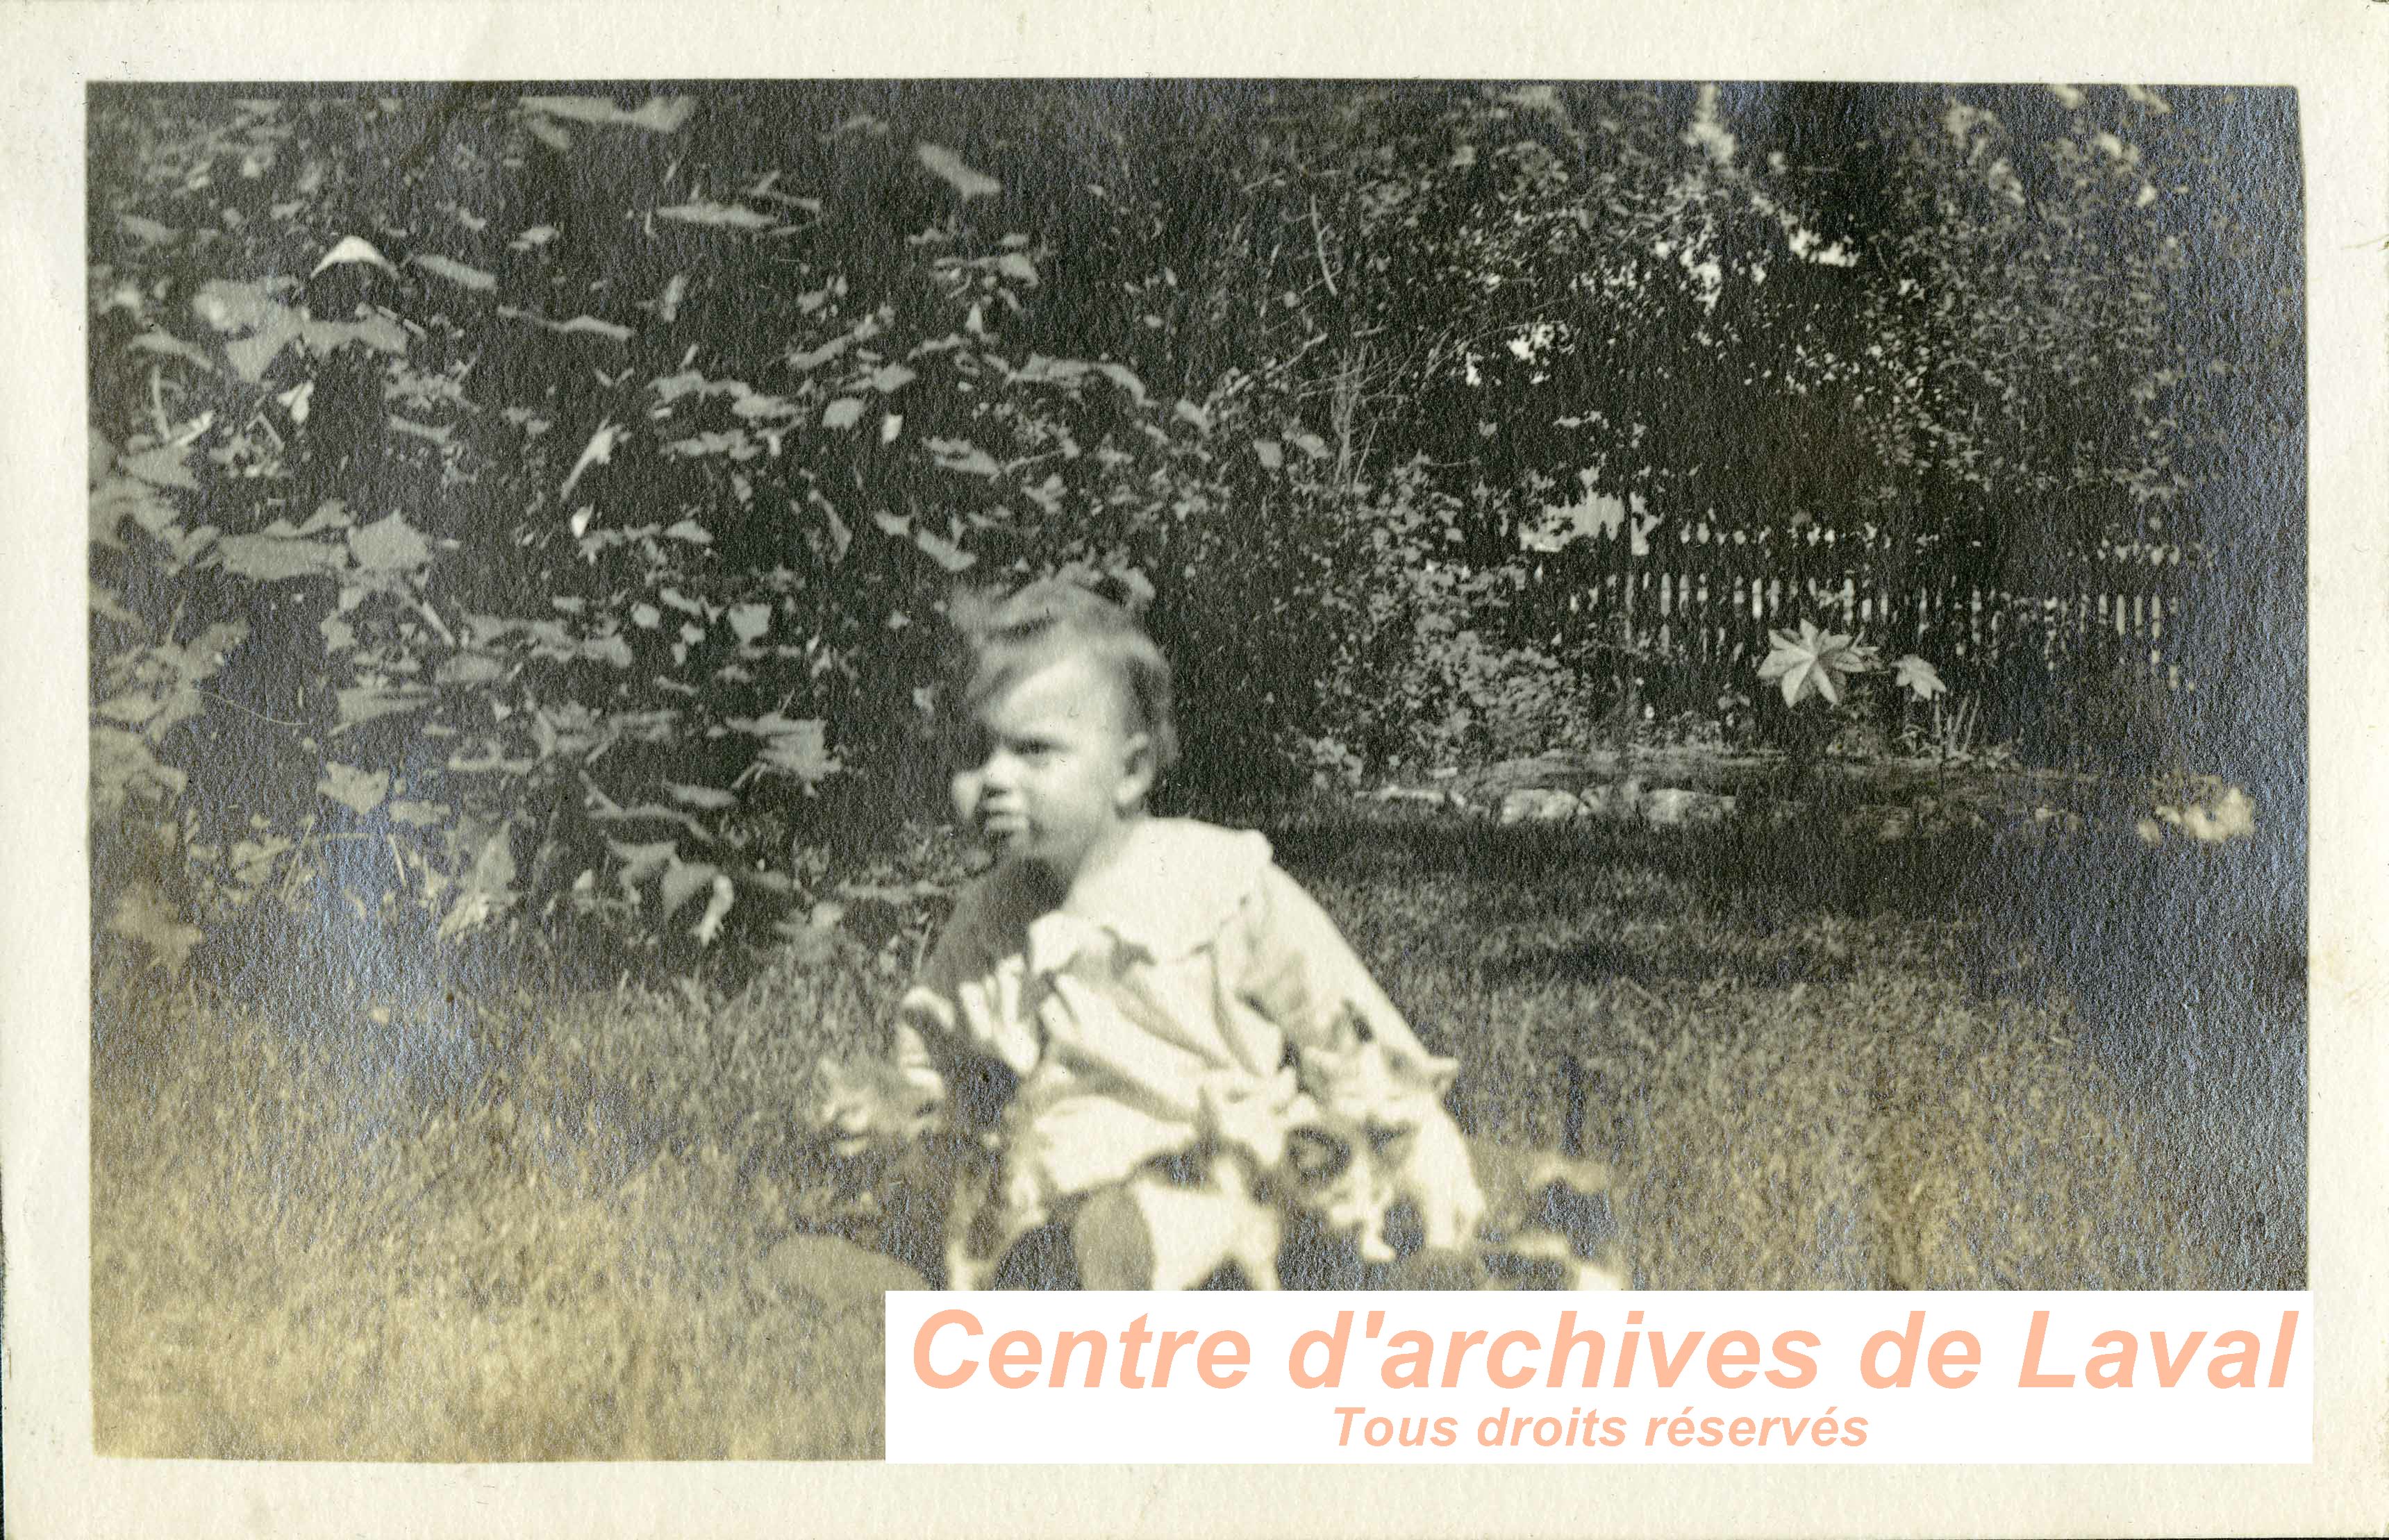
(1189, 998)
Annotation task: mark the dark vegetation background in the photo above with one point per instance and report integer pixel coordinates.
(522, 520)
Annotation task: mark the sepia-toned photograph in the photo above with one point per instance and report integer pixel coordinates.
(709, 699)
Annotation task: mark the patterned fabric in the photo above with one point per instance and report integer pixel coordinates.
(1189, 997)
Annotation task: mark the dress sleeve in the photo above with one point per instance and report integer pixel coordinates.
(1304, 976)
(950, 1038)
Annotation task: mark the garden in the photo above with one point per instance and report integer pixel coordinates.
(1739, 602)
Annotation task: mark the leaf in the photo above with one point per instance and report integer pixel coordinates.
(1268, 452)
(683, 881)
(275, 558)
(845, 411)
(487, 889)
(598, 450)
(963, 456)
(1186, 411)
(163, 467)
(361, 789)
(424, 431)
(366, 701)
(1310, 443)
(1043, 370)
(750, 621)
(391, 545)
(106, 604)
(123, 768)
(143, 914)
(792, 747)
(946, 165)
(170, 345)
(610, 648)
(707, 797)
(131, 708)
(892, 378)
(231, 307)
(457, 273)
(588, 323)
(254, 354)
(1918, 678)
(1125, 377)
(840, 536)
(120, 497)
(945, 553)
(647, 812)
(690, 530)
(377, 332)
(813, 358)
(641, 861)
(470, 668)
(1014, 264)
(736, 444)
(733, 216)
(759, 403)
(147, 230)
(1814, 663)
(657, 115)
(353, 248)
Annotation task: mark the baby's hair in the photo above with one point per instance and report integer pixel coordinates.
(1006, 637)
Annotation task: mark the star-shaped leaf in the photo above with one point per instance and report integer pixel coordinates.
(1918, 678)
(1814, 663)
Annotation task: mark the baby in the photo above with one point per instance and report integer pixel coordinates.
(1139, 1031)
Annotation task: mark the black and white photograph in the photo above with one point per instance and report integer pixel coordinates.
(710, 699)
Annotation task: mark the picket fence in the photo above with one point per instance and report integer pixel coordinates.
(1711, 603)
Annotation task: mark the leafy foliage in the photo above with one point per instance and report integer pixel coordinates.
(568, 562)
(513, 509)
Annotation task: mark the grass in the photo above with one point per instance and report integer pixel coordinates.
(513, 1225)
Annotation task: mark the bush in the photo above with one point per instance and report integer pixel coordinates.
(523, 551)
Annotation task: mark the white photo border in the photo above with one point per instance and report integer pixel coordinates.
(2335, 53)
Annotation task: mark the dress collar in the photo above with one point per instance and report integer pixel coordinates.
(1173, 885)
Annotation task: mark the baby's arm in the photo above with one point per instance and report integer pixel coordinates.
(1360, 1057)
(1305, 977)
(946, 1063)
(890, 1101)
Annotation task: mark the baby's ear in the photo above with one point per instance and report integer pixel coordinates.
(1139, 769)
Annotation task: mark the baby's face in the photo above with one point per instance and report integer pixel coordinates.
(1055, 769)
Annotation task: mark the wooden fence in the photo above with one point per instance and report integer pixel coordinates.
(1711, 601)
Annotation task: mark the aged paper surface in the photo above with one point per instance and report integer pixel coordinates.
(2334, 53)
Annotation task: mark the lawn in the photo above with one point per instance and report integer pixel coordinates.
(517, 1223)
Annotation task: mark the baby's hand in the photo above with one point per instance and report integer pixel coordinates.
(872, 1103)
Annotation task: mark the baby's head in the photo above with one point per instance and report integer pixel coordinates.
(1061, 722)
